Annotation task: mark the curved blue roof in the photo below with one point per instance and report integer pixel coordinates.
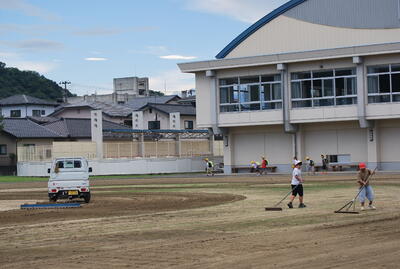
(263, 21)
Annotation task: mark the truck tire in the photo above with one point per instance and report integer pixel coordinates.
(53, 199)
(86, 197)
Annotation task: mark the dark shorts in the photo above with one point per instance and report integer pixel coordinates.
(298, 190)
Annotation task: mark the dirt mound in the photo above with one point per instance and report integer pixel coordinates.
(107, 205)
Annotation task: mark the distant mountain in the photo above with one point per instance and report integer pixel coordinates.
(14, 81)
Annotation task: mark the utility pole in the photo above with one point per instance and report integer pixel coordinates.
(65, 83)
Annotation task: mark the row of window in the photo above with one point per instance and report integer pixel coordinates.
(251, 93)
(36, 113)
(155, 125)
(309, 89)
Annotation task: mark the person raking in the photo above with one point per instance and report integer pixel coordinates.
(297, 186)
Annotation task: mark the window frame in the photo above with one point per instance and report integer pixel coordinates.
(314, 99)
(14, 111)
(391, 94)
(188, 122)
(236, 100)
(5, 152)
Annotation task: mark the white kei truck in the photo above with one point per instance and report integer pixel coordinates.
(69, 179)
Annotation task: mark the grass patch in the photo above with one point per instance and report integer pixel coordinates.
(15, 179)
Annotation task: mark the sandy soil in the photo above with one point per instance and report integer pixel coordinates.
(203, 223)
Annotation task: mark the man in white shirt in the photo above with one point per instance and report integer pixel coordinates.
(297, 187)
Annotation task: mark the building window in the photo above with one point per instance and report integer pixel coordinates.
(3, 149)
(383, 83)
(188, 124)
(250, 93)
(154, 125)
(36, 113)
(43, 112)
(324, 88)
(15, 114)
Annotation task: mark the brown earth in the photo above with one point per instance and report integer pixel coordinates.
(203, 223)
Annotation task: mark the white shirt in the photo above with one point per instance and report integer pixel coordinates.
(296, 172)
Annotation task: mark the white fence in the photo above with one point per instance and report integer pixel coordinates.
(125, 167)
(126, 150)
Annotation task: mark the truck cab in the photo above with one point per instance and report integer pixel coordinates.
(69, 179)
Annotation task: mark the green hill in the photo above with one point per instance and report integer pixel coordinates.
(14, 81)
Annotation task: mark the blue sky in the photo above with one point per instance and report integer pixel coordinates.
(90, 42)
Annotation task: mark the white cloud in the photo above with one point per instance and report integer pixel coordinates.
(96, 59)
(152, 50)
(172, 81)
(248, 11)
(16, 60)
(34, 44)
(178, 57)
(27, 9)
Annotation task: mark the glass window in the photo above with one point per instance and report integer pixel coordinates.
(271, 78)
(346, 101)
(384, 83)
(395, 82)
(224, 94)
(77, 164)
(305, 103)
(323, 74)
(302, 75)
(43, 112)
(378, 69)
(345, 72)
(328, 87)
(317, 85)
(249, 80)
(276, 92)
(15, 114)
(306, 89)
(154, 125)
(351, 86)
(254, 93)
(36, 113)
(250, 93)
(324, 102)
(373, 84)
(340, 89)
(296, 90)
(379, 99)
(3, 149)
(266, 92)
(188, 124)
(228, 81)
(396, 68)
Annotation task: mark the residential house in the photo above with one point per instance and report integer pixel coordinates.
(21, 106)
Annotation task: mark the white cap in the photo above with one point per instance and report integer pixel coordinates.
(298, 162)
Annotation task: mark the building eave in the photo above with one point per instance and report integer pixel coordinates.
(291, 57)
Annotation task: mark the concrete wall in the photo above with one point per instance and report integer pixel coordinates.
(285, 34)
(26, 111)
(125, 167)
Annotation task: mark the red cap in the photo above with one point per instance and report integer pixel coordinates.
(362, 166)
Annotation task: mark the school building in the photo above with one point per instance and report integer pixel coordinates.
(312, 77)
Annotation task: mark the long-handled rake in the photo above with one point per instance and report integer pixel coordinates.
(276, 208)
(345, 209)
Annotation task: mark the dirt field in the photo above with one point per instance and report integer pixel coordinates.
(202, 222)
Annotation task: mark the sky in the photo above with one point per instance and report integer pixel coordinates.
(90, 42)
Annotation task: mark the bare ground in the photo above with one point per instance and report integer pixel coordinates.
(203, 223)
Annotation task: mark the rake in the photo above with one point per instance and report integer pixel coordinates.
(276, 208)
(345, 209)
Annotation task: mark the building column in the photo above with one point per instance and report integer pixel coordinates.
(96, 119)
(373, 159)
(141, 145)
(299, 146)
(361, 93)
(228, 152)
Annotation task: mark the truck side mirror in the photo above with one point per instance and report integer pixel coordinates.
(48, 171)
(90, 170)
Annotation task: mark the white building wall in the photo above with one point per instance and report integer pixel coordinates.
(26, 111)
(389, 132)
(284, 34)
(203, 97)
